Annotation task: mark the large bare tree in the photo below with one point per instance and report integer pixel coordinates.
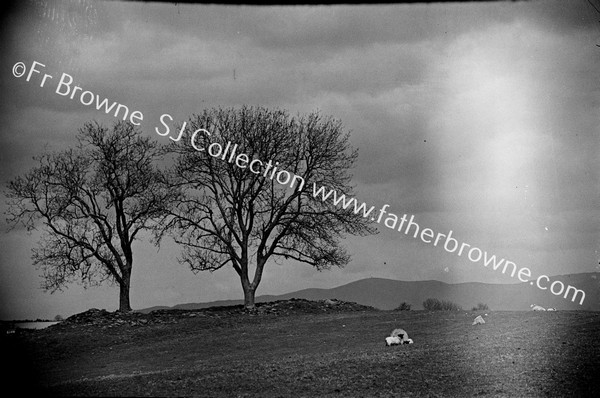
(92, 202)
(248, 178)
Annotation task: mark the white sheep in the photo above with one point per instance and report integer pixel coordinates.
(551, 309)
(479, 320)
(398, 336)
(395, 340)
(535, 307)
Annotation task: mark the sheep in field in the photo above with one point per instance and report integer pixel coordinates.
(535, 307)
(398, 336)
(392, 341)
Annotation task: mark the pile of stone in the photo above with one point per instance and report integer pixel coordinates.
(105, 319)
(302, 306)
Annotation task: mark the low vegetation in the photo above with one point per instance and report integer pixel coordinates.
(481, 307)
(403, 307)
(433, 304)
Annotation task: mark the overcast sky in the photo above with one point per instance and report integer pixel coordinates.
(483, 119)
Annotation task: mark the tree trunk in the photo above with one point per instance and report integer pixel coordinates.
(124, 305)
(249, 293)
(250, 288)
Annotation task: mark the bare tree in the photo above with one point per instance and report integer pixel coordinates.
(92, 202)
(248, 182)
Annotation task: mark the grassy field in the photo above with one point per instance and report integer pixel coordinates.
(515, 354)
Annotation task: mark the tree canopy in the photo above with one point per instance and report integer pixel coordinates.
(239, 207)
(92, 202)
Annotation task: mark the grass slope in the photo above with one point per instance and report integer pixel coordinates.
(514, 354)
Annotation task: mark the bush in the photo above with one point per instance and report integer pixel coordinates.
(403, 307)
(480, 307)
(433, 304)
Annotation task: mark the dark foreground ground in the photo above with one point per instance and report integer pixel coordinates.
(313, 352)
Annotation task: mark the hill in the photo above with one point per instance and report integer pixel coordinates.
(309, 354)
(387, 294)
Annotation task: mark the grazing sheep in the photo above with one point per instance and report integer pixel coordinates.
(535, 307)
(398, 336)
(395, 340)
(551, 309)
(479, 320)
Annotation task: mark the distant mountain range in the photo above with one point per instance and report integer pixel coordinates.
(387, 294)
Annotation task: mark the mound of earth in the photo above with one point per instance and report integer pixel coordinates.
(295, 306)
(106, 319)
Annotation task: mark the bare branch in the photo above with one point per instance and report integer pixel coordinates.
(92, 201)
(233, 213)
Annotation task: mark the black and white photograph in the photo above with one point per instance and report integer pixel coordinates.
(218, 199)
